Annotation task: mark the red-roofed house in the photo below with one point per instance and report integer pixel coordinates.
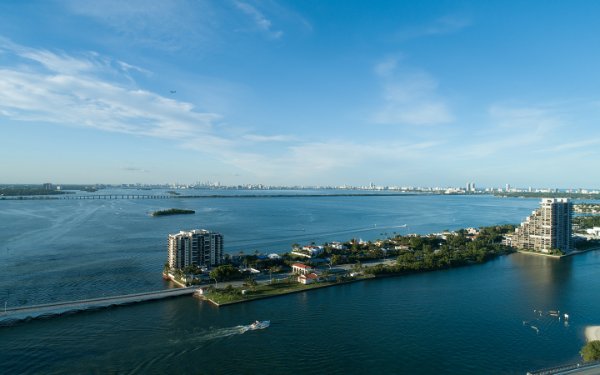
(301, 268)
(308, 278)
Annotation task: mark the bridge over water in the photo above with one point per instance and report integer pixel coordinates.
(88, 197)
(118, 196)
(15, 314)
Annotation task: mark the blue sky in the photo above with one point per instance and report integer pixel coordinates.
(401, 93)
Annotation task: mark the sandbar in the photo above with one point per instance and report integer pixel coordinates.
(592, 333)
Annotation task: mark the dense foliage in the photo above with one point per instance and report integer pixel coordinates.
(226, 272)
(591, 351)
(172, 211)
(585, 222)
(28, 190)
(458, 249)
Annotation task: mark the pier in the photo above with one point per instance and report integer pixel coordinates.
(15, 314)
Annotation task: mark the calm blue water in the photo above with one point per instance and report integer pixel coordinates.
(462, 321)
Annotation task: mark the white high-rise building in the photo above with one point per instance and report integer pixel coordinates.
(549, 227)
(197, 247)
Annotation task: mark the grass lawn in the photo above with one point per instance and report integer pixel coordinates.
(221, 297)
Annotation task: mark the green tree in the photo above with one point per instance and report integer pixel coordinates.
(225, 272)
(591, 351)
(251, 282)
(335, 259)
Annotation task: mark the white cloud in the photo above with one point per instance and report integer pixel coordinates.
(518, 130)
(38, 89)
(387, 66)
(576, 145)
(261, 22)
(410, 97)
(268, 138)
(441, 26)
(135, 169)
(69, 91)
(167, 25)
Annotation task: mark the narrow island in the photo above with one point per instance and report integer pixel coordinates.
(246, 277)
(173, 211)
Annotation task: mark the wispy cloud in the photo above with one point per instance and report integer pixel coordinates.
(261, 22)
(268, 138)
(512, 129)
(410, 96)
(167, 25)
(97, 94)
(135, 169)
(58, 88)
(577, 145)
(441, 26)
(326, 160)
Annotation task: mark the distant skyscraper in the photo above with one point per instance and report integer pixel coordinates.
(507, 187)
(547, 228)
(196, 247)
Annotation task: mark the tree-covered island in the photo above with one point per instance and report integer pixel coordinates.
(335, 263)
(173, 211)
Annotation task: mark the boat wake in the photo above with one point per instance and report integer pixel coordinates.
(209, 335)
(221, 333)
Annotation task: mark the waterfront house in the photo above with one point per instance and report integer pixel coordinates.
(308, 251)
(308, 278)
(301, 268)
(337, 246)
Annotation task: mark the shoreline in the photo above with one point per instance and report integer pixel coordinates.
(256, 298)
(575, 252)
(168, 277)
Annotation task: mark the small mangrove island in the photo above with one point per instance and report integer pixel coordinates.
(173, 211)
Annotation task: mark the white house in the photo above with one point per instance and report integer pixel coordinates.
(308, 278)
(301, 269)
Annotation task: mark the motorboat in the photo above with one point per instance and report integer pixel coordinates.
(259, 325)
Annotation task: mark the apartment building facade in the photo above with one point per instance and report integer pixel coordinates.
(198, 247)
(547, 228)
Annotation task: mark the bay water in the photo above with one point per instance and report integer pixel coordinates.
(469, 320)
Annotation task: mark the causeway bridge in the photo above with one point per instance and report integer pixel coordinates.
(14, 314)
(118, 196)
(90, 197)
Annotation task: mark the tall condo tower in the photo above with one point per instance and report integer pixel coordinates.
(549, 227)
(197, 247)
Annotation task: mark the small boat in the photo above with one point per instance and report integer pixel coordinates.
(259, 325)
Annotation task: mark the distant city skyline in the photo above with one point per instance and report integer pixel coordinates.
(448, 189)
(304, 93)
